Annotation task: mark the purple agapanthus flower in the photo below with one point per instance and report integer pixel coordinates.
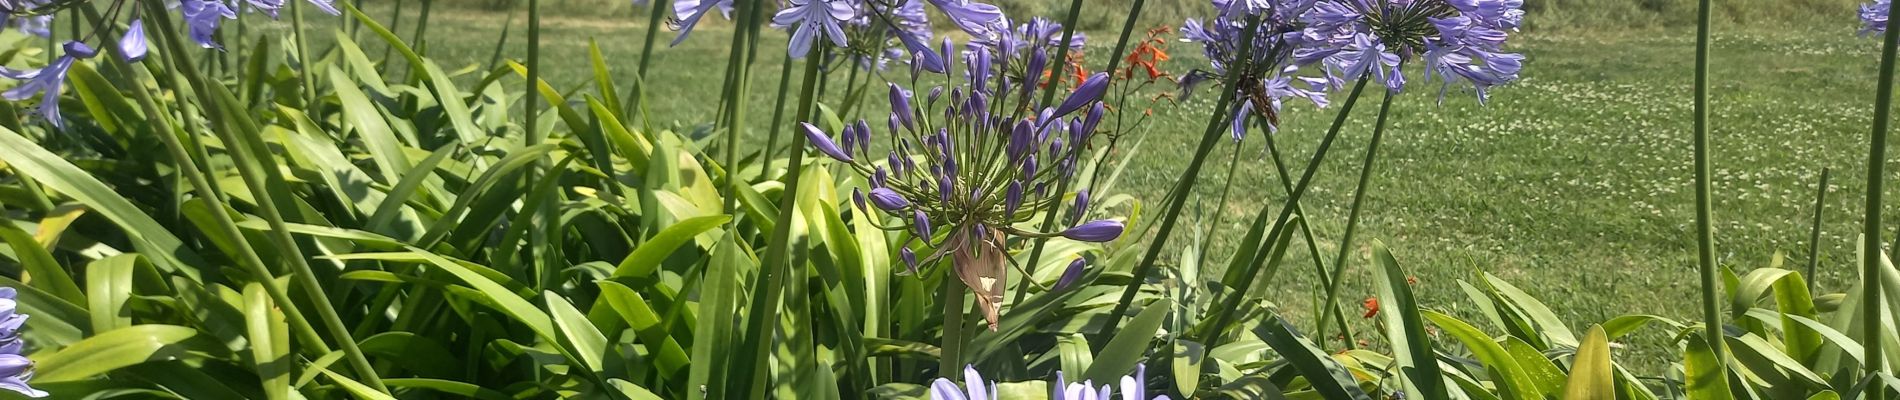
(940, 170)
(15, 369)
(689, 12)
(978, 19)
(202, 18)
(133, 44)
(1873, 16)
(975, 387)
(46, 82)
(1270, 73)
(24, 15)
(1462, 41)
(811, 18)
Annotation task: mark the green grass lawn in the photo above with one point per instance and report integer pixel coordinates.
(1573, 183)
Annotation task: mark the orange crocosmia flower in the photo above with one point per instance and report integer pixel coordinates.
(1372, 306)
(1080, 75)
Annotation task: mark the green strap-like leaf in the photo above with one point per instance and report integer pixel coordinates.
(112, 350)
(152, 239)
(43, 272)
(270, 341)
(109, 283)
(1590, 375)
(1326, 376)
(1411, 347)
(1509, 377)
(1706, 379)
(1118, 358)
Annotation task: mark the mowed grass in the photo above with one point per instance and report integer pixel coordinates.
(1574, 183)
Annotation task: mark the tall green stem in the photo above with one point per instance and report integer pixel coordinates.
(1306, 231)
(1062, 58)
(778, 115)
(1225, 314)
(302, 274)
(1184, 186)
(738, 78)
(532, 95)
(654, 17)
(395, 25)
(1704, 224)
(1871, 265)
(1814, 233)
(422, 23)
(1220, 206)
(773, 268)
(309, 91)
(1352, 220)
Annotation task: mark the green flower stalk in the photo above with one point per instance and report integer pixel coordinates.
(1871, 253)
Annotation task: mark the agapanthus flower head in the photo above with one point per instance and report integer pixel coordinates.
(966, 175)
(1462, 41)
(1084, 390)
(203, 17)
(977, 19)
(687, 13)
(15, 369)
(811, 19)
(975, 388)
(1133, 387)
(1873, 16)
(46, 82)
(1268, 73)
(31, 17)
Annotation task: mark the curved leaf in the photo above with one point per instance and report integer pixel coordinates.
(112, 350)
(1119, 356)
(166, 250)
(1326, 376)
(1411, 347)
(1512, 379)
(1591, 377)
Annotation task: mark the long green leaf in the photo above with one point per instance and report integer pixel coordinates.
(270, 342)
(152, 239)
(1411, 347)
(1118, 358)
(43, 272)
(666, 352)
(109, 282)
(1327, 377)
(112, 350)
(1705, 377)
(1510, 378)
(1590, 375)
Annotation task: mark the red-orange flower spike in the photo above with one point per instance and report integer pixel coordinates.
(1372, 306)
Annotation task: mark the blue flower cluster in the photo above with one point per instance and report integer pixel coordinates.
(1133, 387)
(1873, 16)
(1460, 42)
(15, 369)
(966, 165)
(202, 19)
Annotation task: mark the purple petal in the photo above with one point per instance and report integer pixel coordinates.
(1095, 231)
